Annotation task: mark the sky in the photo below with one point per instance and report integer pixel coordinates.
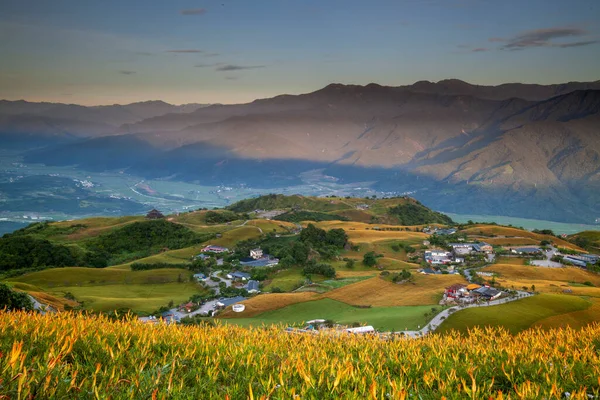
(232, 51)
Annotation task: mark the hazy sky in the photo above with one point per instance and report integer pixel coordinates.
(120, 51)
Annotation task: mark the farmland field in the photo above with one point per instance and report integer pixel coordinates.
(382, 318)
(515, 316)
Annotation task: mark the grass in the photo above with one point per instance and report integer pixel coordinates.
(382, 318)
(574, 319)
(109, 289)
(77, 276)
(138, 297)
(515, 316)
(289, 279)
(230, 238)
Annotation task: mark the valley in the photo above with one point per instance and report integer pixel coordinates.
(357, 283)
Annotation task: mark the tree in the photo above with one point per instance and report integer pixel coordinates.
(350, 264)
(14, 300)
(369, 259)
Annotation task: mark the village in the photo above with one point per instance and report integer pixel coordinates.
(445, 253)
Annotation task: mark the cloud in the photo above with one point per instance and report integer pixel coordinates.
(207, 65)
(545, 38)
(496, 39)
(231, 78)
(479, 49)
(193, 11)
(211, 54)
(230, 67)
(126, 72)
(185, 51)
(463, 46)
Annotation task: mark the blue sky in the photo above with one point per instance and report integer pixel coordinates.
(92, 52)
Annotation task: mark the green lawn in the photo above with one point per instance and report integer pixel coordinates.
(146, 298)
(382, 318)
(515, 316)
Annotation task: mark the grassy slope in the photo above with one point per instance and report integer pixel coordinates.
(548, 280)
(383, 318)
(139, 297)
(515, 316)
(108, 289)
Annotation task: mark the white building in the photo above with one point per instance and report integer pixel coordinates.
(256, 253)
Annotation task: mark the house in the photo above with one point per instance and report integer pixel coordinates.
(215, 249)
(241, 276)
(527, 250)
(199, 277)
(362, 206)
(265, 261)
(224, 302)
(426, 243)
(256, 253)
(487, 292)
(483, 247)
(589, 258)
(188, 307)
(252, 287)
(456, 290)
(461, 249)
(202, 257)
(437, 257)
(154, 214)
(361, 329)
(575, 261)
(473, 286)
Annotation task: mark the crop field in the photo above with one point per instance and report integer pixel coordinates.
(382, 318)
(376, 292)
(144, 298)
(512, 241)
(76, 356)
(531, 273)
(516, 316)
(489, 230)
(269, 302)
(511, 260)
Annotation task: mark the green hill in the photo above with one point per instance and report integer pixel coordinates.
(397, 210)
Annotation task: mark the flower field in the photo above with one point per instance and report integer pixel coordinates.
(67, 356)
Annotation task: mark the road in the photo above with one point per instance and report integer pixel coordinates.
(209, 305)
(438, 319)
(548, 261)
(42, 308)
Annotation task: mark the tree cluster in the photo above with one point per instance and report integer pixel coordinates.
(12, 300)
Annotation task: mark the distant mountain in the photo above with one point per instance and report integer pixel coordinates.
(26, 122)
(520, 150)
(501, 92)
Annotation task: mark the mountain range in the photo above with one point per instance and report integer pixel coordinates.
(513, 149)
